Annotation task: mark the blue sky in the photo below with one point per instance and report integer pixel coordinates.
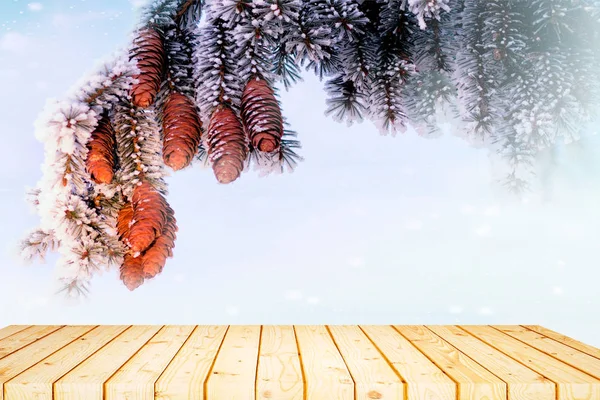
(369, 229)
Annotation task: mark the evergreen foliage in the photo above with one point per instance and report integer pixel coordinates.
(516, 76)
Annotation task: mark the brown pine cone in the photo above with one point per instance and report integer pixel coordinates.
(149, 53)
(149, 217)
(123, 220)
(155, 258)
(227, 144)
(181, 131)
(100, 162)
(261, 115)
(132, 274)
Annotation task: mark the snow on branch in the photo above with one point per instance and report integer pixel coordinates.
(200, 81)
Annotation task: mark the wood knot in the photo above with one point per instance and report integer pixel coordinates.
(374, 394)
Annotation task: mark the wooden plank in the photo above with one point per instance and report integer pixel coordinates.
(325, 373)
(36, 382)
(571, 383)
(15, 363)
(523, 383)
(24, 338)
(424, 379)
(11, 330)
(136, 378)
(474, 381)
(279, 374)
(185, 376)
(576, 344)
(233, 375)
(575, 358)
(373, 377)
(86, 381)
(302, 362)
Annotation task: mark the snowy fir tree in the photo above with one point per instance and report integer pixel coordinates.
(199, 84)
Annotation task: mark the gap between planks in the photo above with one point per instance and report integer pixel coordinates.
(296, 362)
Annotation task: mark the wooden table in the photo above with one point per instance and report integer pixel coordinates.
(295, 362)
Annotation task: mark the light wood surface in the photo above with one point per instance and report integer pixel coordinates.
(424, 379)
(325, 373)
(565, 340)
(86, 381)
(279, 374)
(234, 370)
(320, 362)
(572, 384)
(36, 382)
(474, 381)
(523, 383)
(135, 379)
(185, 376)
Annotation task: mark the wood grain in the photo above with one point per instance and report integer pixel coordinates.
(279, 374)
(135, 379)
(11, 330)
(573, 357)
(474, 381)
(316, 362)
(17, 362)
(24, 338)
(86, 381)
(373, 377)
(592, 351)
(234, 371)
(325, 372)
(523, 383)
(36, 382)
(185, 376)
(424, 379)
(572, 384)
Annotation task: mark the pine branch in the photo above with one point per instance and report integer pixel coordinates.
(159, 14)
(428, 9)
(139, 148)
(285, 67)
(285, 159)
(346, 101)
(430, 91)
(37, 244)
(525, 76)
(393, 68)
(189, 14)
(216, 70)
(476, 86)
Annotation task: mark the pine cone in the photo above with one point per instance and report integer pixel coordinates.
(132, 274)
(149, 217)
(123, 220)
(181, 131)
(149, 53)
(100, 160)
(156, 256)
(227, 145)
(262, 115)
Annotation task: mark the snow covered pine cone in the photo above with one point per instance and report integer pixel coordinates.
(182, 131)
(150, 214)
(132, 273)
(100, 161)
(145, 265)
(149, 53)
(131, 270)
(155, 258)
(135, 270)
(227, 144)
(261, 115)
(123, 221)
